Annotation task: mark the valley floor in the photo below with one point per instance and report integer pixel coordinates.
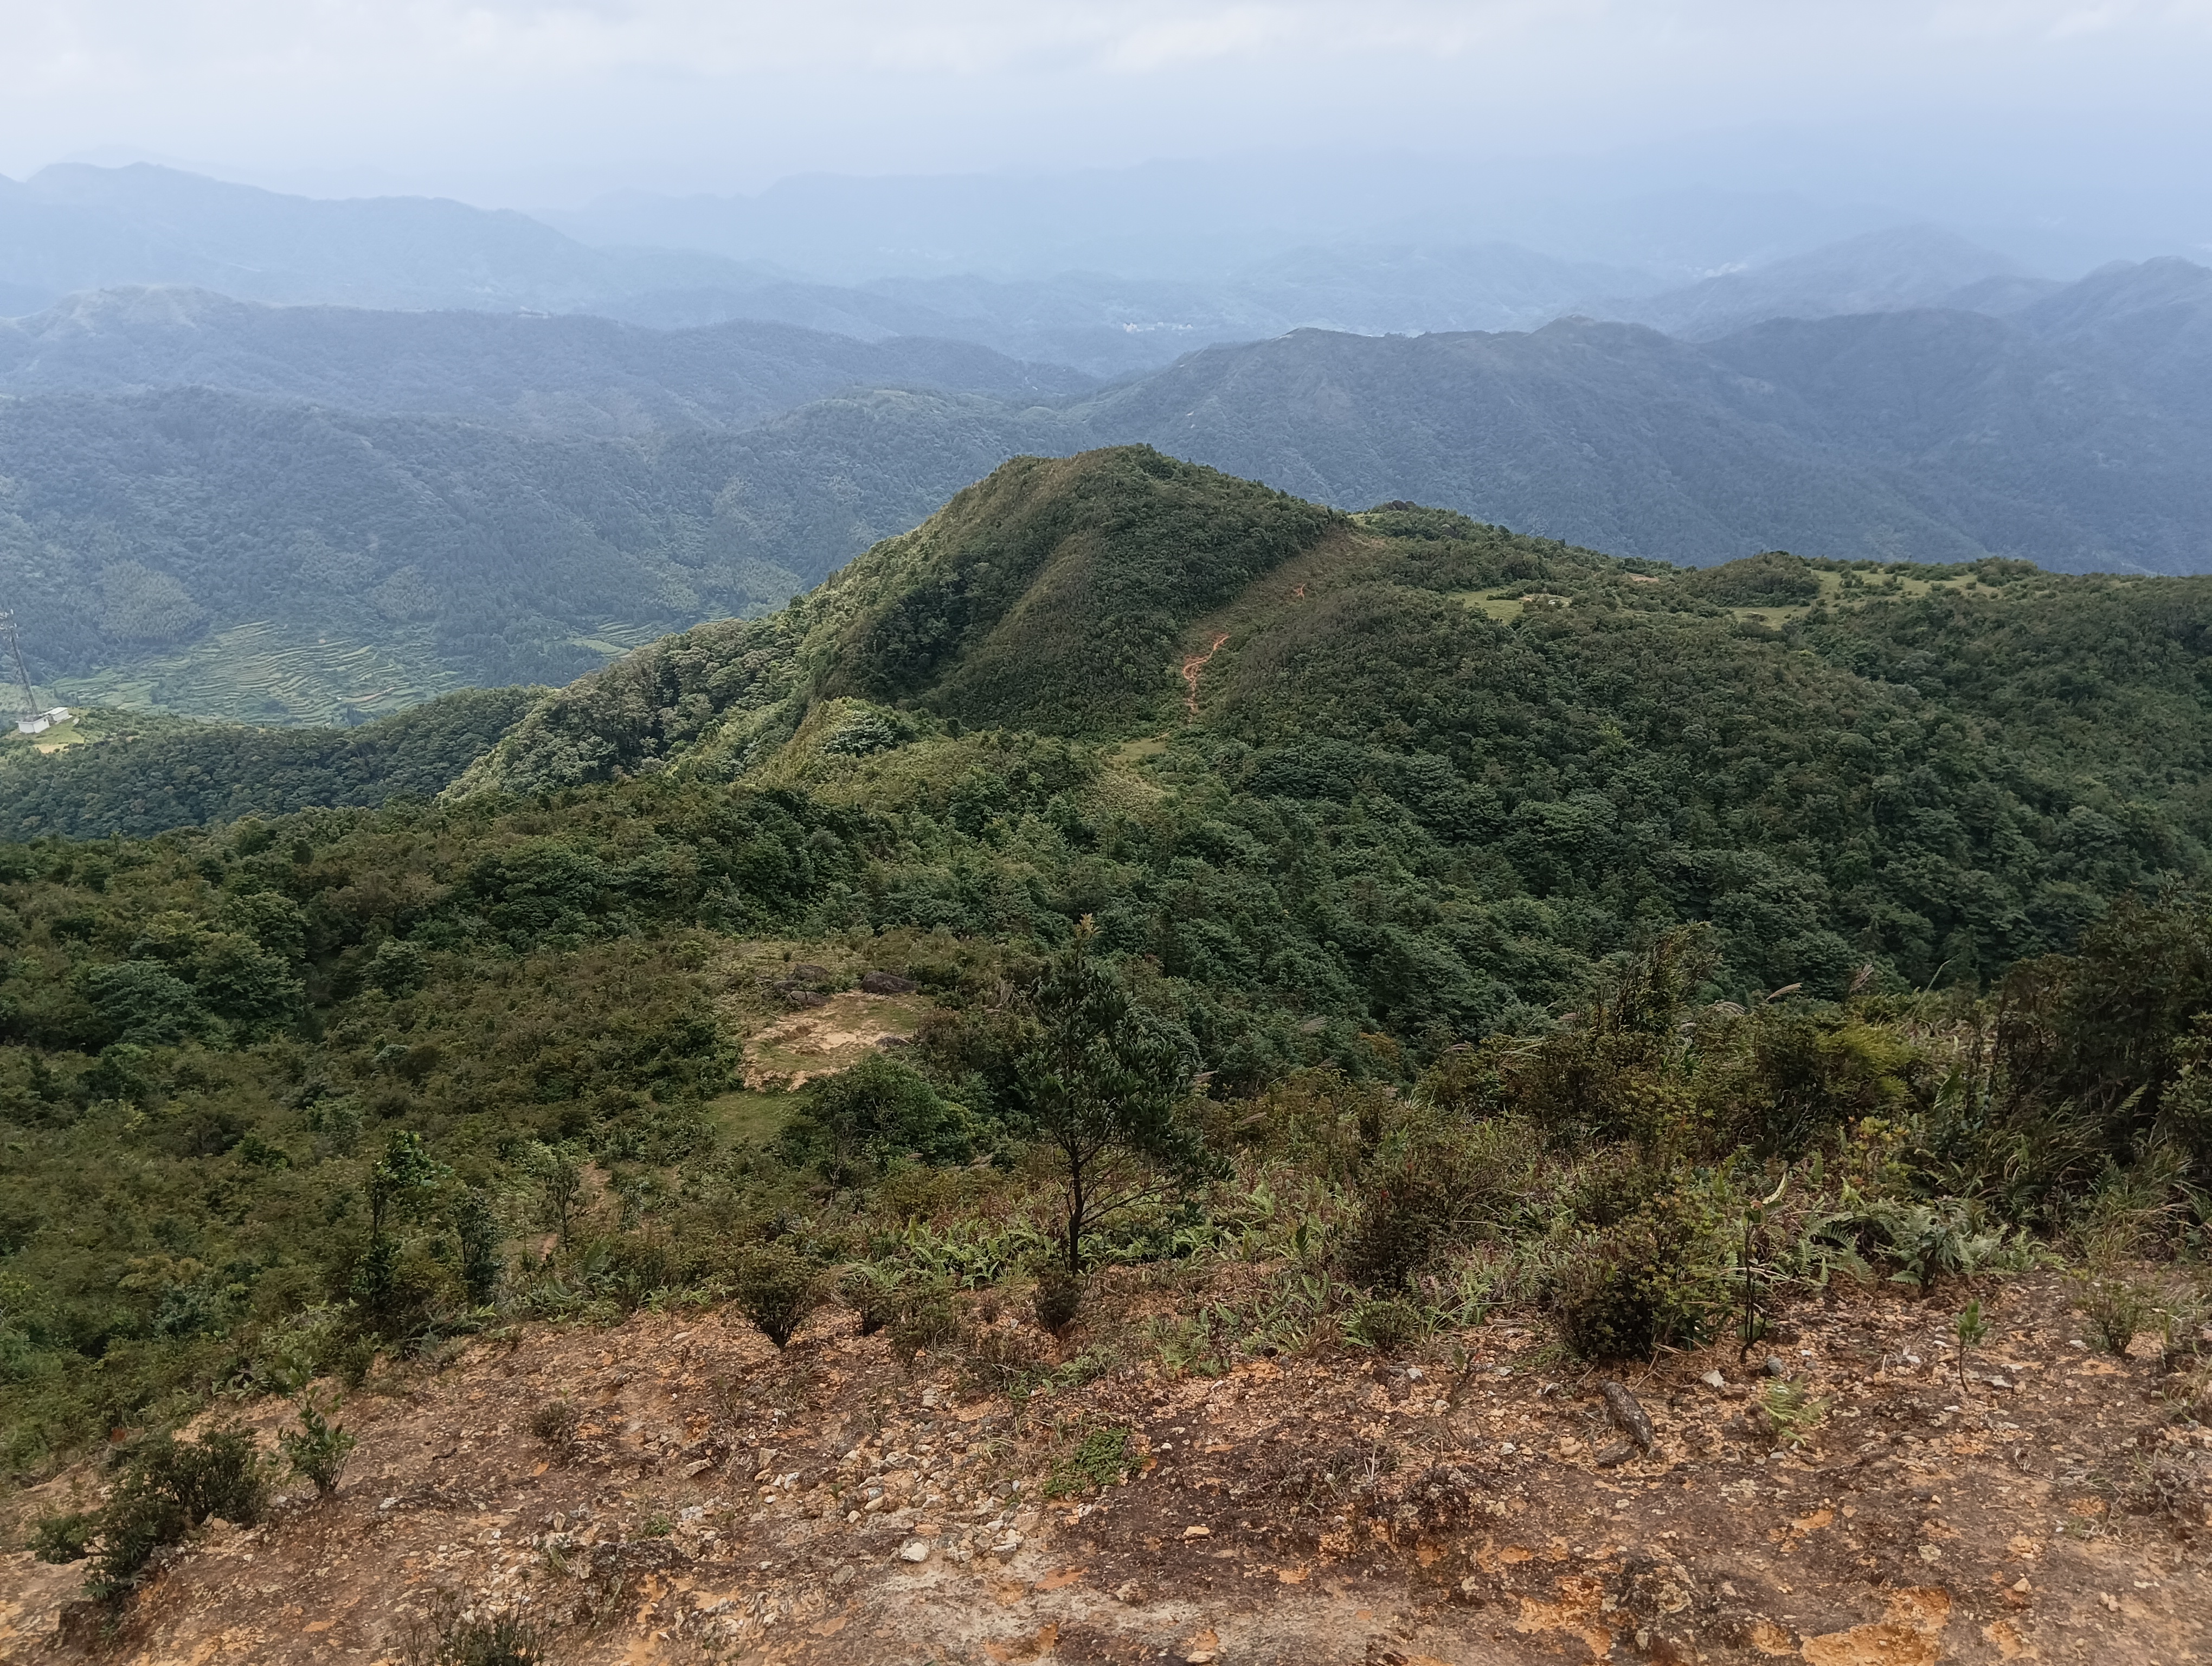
(723, 1502)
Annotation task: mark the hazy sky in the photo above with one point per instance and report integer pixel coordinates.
(534, 102)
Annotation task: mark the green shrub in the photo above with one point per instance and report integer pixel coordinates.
(877, 1110)
(554, 1423)
(1623, 1292)
(777, 1288)
(2116, 1309)
(1933, 1240)
(1059, 1298)
(1390, 1326)
(477, 1227)
(1439, 1185)
(169, 1488)
(632, 1267)
(872, 1293)
(999, 1361)
(318, 1449)
(454, 1634)
(356, 1359)
(927, 1319)
(63, 1536)
(1615, 1183)
(1813, 1072)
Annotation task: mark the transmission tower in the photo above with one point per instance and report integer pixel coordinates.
(34, 721)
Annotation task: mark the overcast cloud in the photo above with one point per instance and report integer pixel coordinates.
(534, 102)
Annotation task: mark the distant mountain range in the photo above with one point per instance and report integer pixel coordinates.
(322, 513)
(1884, 271)
(479, 499)
(557, 374)
(74, 228)
(2074, 434)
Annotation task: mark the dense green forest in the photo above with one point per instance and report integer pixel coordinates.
(1475, 919)
(144, 773)
(129, 526)
(1948, 770)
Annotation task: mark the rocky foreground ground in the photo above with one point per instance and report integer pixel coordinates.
(1479, 1502)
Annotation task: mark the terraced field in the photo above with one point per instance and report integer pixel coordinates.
(271, 674)
(617, 637)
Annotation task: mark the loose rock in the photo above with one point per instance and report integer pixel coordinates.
(1628, 1414)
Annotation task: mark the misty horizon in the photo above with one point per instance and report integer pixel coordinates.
(2063, 135)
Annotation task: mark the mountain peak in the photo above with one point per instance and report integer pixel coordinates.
(1889, 270)
(1052, 594)
(1058, 595)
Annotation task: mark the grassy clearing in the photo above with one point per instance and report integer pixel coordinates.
(749, 1118)
(60, 738)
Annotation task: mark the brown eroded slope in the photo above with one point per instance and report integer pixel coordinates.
(723, 1502)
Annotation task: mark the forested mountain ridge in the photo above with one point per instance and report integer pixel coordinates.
(564, 375)
(1929, 435)
(236, 556)
(135, 777)
(1049, 597)
(147, 524)
(1925, 761)
(140, 536)
(2152, 319)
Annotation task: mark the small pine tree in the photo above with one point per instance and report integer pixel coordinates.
(1104, 1082)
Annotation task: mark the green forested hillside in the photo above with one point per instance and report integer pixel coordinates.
(151, 776)
(134, 525)
(1398, 834)
(567, 376)
(1921, 435)
(1944, 770)
(139, 536)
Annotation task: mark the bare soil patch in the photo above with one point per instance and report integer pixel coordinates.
(726, 1503)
